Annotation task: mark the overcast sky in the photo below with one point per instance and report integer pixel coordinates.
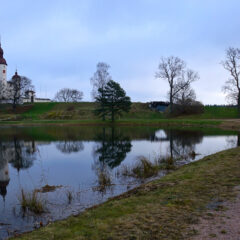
(58, 43)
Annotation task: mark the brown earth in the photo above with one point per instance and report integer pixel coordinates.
(223, 223)
(233, 124)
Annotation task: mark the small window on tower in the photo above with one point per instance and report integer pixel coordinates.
(4, 71)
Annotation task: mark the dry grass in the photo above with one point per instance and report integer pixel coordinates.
(69, 194)
(104, 180)
(32, 201)
(48, 188)
(146, 167)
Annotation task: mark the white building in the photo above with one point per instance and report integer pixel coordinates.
(6, 86)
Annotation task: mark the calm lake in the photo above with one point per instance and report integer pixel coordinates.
(71, 158)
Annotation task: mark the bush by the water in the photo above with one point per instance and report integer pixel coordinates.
(32, 201)
(194, 107)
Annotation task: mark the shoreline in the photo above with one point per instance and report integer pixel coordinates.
(132, 122)
(169, 206)
(224, 124)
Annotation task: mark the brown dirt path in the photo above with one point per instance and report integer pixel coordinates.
(223, 223)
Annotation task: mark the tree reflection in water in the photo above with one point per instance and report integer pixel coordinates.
(182, 144)
(110, 150)
(22, 154)
(19, 154)
(4, 171)
(70, 146)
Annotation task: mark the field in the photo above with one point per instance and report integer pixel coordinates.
(218, 112)
(84, 111)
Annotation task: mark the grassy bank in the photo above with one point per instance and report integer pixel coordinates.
(84, 111)
(162, 209)
(132, 122)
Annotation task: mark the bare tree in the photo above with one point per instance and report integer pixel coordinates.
(185, 95)
(100, 78)
(99, 81)
(232, 85)
(173, 69)
(68, 95)
(18, 85)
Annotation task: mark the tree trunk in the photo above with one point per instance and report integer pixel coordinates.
(171, 144)
(14, 105)
(171, 100)
(238, 104)
(112, 116)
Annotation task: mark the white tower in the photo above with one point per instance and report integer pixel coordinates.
(3, 68)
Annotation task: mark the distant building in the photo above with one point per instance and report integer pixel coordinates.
(5, 86)
(159, 106)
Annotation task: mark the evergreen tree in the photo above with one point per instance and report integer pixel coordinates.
(112, 100)
(101, 100)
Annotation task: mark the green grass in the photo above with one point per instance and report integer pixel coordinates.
(38, 109)
(214, 112)
(84, 110)
(124, 122)
(162, 209)
(82, 113)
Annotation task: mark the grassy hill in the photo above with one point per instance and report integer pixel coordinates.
(73, 111)
(84, 111)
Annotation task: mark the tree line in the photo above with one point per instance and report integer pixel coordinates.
(111, 99)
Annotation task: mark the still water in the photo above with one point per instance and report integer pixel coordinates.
(70, 158)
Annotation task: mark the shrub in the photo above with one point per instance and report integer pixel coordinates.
(70, 108)
(193, 107)
(145, 168)
(31, 201)
(104, 180)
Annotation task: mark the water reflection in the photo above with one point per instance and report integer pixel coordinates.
(111, 148)
(70, 146)
(4, 171)
(86, 160)
(19, 154)
(182, 144)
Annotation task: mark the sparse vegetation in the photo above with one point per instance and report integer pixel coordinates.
(69, 194)
(103, 179)
(47, 188)
(146, 168)
(32, 201)
(167, 163)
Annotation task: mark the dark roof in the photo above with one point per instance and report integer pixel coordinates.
(158, 103)
(29, 91)
(43, 99)
(2, 59)
(16, 76)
